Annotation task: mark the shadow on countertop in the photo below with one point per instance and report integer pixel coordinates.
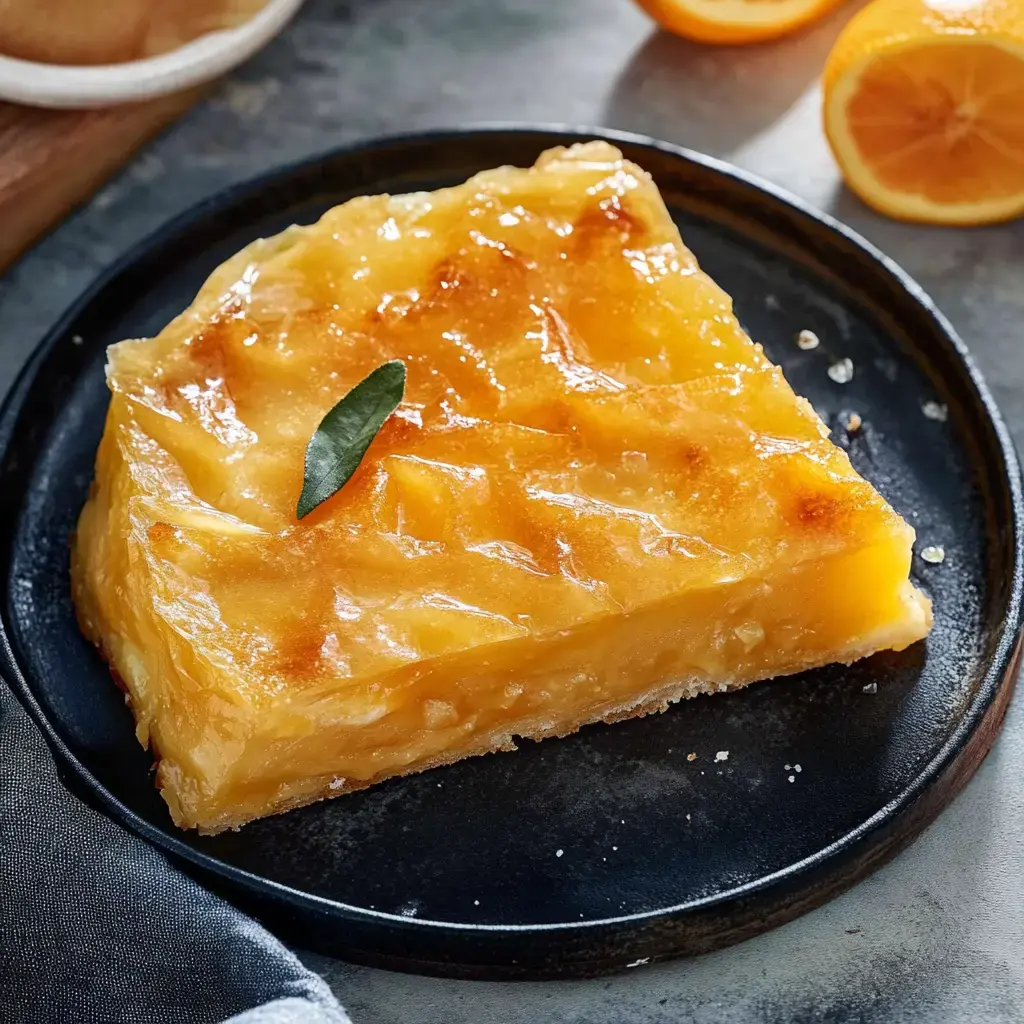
(714, 98)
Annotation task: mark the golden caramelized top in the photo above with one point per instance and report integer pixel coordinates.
(586, 428)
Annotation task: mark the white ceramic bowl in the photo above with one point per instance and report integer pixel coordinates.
(102, 85)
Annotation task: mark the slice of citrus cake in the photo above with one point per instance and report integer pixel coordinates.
(595, 496)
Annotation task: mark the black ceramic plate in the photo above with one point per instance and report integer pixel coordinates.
(611, 847)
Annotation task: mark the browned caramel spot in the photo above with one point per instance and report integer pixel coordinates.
(457, 284)
(692, 457)
(298, 655)
(216, 353)
(207, 348)
(826, 513)
(160, 533)
(609, 221)
(472, 275)
(446, 278)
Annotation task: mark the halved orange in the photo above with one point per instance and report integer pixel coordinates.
(735, 21)
(924, 109)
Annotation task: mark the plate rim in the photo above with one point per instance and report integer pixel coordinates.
(990, 685)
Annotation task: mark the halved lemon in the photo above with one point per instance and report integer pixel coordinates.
(735, 21)
(924, 109)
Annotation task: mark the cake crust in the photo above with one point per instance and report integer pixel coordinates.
(655, 701)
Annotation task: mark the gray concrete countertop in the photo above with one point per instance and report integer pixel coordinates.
(937, 935)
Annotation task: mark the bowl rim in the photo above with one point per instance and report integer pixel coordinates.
(75, 87)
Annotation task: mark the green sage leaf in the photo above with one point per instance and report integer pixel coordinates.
(340, 442)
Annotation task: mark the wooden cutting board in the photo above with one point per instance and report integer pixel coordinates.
(52, 160)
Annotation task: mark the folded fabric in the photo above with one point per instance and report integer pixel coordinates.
(96, 927)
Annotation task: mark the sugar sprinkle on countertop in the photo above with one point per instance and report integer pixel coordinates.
(842, 372)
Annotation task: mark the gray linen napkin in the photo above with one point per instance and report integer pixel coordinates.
(96, 927)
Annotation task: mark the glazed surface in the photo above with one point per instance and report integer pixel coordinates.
(587, 435)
